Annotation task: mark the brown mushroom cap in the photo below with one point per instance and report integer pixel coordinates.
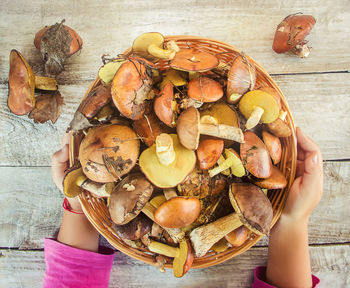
(205, 89)
(279, 128)
(177, 212)
(276, 181)
(130, 87)
(187, 127)
(135, 229)
(163, 105)
(129, 197)
(176, 172)
(253, 206)
(237, 237)
(192, 60)
(208, 152)
(21, 98)
(255, 156)
(70, 188)
(273, 145)
(108, 152)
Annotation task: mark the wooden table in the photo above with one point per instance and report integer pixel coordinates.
(317, 89)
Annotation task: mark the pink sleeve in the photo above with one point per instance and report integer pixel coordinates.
(259, 279)
(71, 267)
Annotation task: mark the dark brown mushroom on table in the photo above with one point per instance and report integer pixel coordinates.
(108, 152)
(273, 145)
(252, 209)
(189, 129)
(276, 181)
(208, 152)
(255, 156)
(192, 60)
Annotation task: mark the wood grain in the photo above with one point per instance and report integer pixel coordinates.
(329, 263)
(30, 207)
(247, 25)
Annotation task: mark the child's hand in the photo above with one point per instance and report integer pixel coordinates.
(306, 190)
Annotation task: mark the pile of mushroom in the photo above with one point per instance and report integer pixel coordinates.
(182, 167)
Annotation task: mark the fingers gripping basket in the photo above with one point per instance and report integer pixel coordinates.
(97, 212)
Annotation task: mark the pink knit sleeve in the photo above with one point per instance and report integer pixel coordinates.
(259, 279)
(71, 267)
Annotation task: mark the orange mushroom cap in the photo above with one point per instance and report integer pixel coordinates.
(273, 145)
(205, 89)
(208, 152)
(276, 181)
(194, 61)
(163, 105)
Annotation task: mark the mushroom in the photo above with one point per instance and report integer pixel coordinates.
(273, 93)
(164, 105)
(189, 128)
(279, 128)
(220, 246)
(173, 76)
(237, 237)
(70, 188)
(97, 189)
(255, 156)
(240, 79)
(221, 160)
(157, 200)
(183, 255)
(131, 87)
(208, 152)
(129, 198)
(178, 212)
(290, 35)
(273, 145)
(150, 46)
(135, 229)
(167, 157)
(108, 70)
(149, 127)
(91, 105)
(258, 106)
(108, 152)
(192, 60)
(205, 89)
(276, 181)
(22, 83)
(219, 113)
(232, 161)
(252, 209)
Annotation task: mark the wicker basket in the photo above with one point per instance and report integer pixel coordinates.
(97, 212)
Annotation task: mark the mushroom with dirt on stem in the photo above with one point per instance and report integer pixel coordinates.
(189, 129)
(232, 162)
(252, 209)
(22, 83)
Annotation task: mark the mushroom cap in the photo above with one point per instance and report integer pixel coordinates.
(173, 76)
(237, 168)
(135, 229)
(292, 31)
(187, 128)
(108, 152)
(205, 89)
(21, 98)
(222, 113)
(167, 176)
(237, 237)
(262, 99)
(163, 105)
(177, 212)
(253, 207)
(142, 42)
(255, 156)
(276, 181)
(272, 92)
(192, 60)
(70, 187)
(108, 70)
(279, 128)
(130, 87)
(183, 263)
(208, 152)
(129, 197)
(273, 145)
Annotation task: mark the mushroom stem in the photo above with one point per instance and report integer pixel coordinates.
(226, 164)
(171, 45)
(254, 118)
(45, 83)
(222, 131)
(163, 249)
(204, 237)
(221, 160)
(165, 149)
(169, 193)
(158, 52)
(100, 190)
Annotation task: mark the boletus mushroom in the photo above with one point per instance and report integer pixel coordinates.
(22, 83)
(108, 152)
(258, 106)
(167, 163)
(129, 197)
(135, 229)
(108, 70)
(290, 35)
(189, 128)
(102, 190)
(279, 128)
(232, 162)
(276, 181)
(205, 89)
(165, 105)
(208, 152)
(237, 237)
(273, 145)
(192, 60)
(252, 209)
(255, 156)
(72, 174)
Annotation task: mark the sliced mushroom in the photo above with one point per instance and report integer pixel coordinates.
(108, 152)
(253, 210)
(276, 181)
(273, 145)
(208, 152)
(192, 60)
(232, 161)
(205, 89)
(255, 156)
(189, 129)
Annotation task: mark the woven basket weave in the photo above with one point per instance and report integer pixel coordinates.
(97, 212)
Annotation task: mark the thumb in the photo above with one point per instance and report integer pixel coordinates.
(61, 156)
(312, 170)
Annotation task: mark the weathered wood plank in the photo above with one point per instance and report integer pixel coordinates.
(30, 207)
(250, 26)
(329, 263)
(319, 103)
